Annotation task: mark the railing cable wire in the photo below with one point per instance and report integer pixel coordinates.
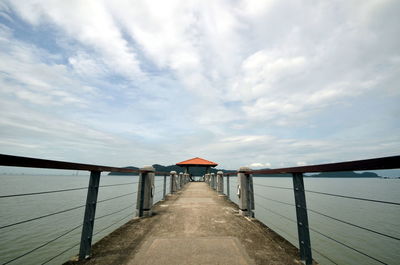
(351, 197)
(119, 184)
(63, 190)
(45, 244)
(43, 216)
(59, 254)
(275, 187)
(348, 223)
(270, 199)
(281, 215)
(101, 217)
(105, 228)
(63, 211)
(116, 197)
(343, 244)
(41, 192)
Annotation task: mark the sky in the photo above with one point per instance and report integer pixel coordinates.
(242, 83)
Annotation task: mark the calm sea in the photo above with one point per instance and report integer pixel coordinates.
(20, 239)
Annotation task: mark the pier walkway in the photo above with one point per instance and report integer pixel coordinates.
(193, 226)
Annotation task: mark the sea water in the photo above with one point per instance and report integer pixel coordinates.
(23, 238)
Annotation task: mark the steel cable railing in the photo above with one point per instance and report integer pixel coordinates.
(351, 197)
(293, 221)
(118, 184)
(331, 194)
(62, 211)
(64, 234)
(116, 197)
(270, 199)
(271, 186)
(322, 234)
(354, 225)
(105, 228)
(59, 254)
(43, 216)
(331, 217)
(43, 245)
(63, 190)
(345, 245)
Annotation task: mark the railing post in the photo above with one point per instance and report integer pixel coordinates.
(145, 191)
(180, 180)
(302, 218)
(172, 183)
(185, 178)
(90, 212)
(213, 181)
(245, 192)
(165, 186)
(228, 187)
(220, 182)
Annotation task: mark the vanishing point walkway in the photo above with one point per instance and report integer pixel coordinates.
(194, 226)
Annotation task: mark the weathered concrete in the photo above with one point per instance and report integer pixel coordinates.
(194, 226)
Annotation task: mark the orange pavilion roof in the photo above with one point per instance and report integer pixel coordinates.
(197, 161)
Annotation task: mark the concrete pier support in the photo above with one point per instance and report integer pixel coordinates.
(145, 191)
(180, 180)
(245, 192)
(213, 186)
(173, 182)
(220, 182)
(186, 178)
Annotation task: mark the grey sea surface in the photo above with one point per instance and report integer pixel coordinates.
(19, 239)
(383, 218)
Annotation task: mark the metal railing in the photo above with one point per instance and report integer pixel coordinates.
(302, 210)
(90, 206)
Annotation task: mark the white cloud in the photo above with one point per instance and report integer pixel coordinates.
(239, 82)
(259, 165)
(88, 23)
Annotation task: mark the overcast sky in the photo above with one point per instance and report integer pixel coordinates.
(259, 83)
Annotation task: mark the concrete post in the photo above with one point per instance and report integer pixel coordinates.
(228, 187)
(213, 181)
(245, 192)
(220, 182)
(180, 180)
(172, 184)
(145, 191)
(207, 178)
(186, 179)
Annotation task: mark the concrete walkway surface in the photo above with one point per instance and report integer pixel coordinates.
(194, 226)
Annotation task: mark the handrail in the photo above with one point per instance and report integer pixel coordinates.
(20, 161)
(390, 162)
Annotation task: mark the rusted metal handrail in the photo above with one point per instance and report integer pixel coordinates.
(20, 161)
(390, 162)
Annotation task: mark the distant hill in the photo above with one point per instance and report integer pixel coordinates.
(199, 171)
(123, 173)
(196, 171)
(345, 174)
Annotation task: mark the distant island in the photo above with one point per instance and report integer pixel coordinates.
(198, 171)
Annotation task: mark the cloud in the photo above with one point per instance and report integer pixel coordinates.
(91, 25)
(242, 83)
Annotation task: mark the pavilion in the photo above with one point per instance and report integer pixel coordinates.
(196, 162)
